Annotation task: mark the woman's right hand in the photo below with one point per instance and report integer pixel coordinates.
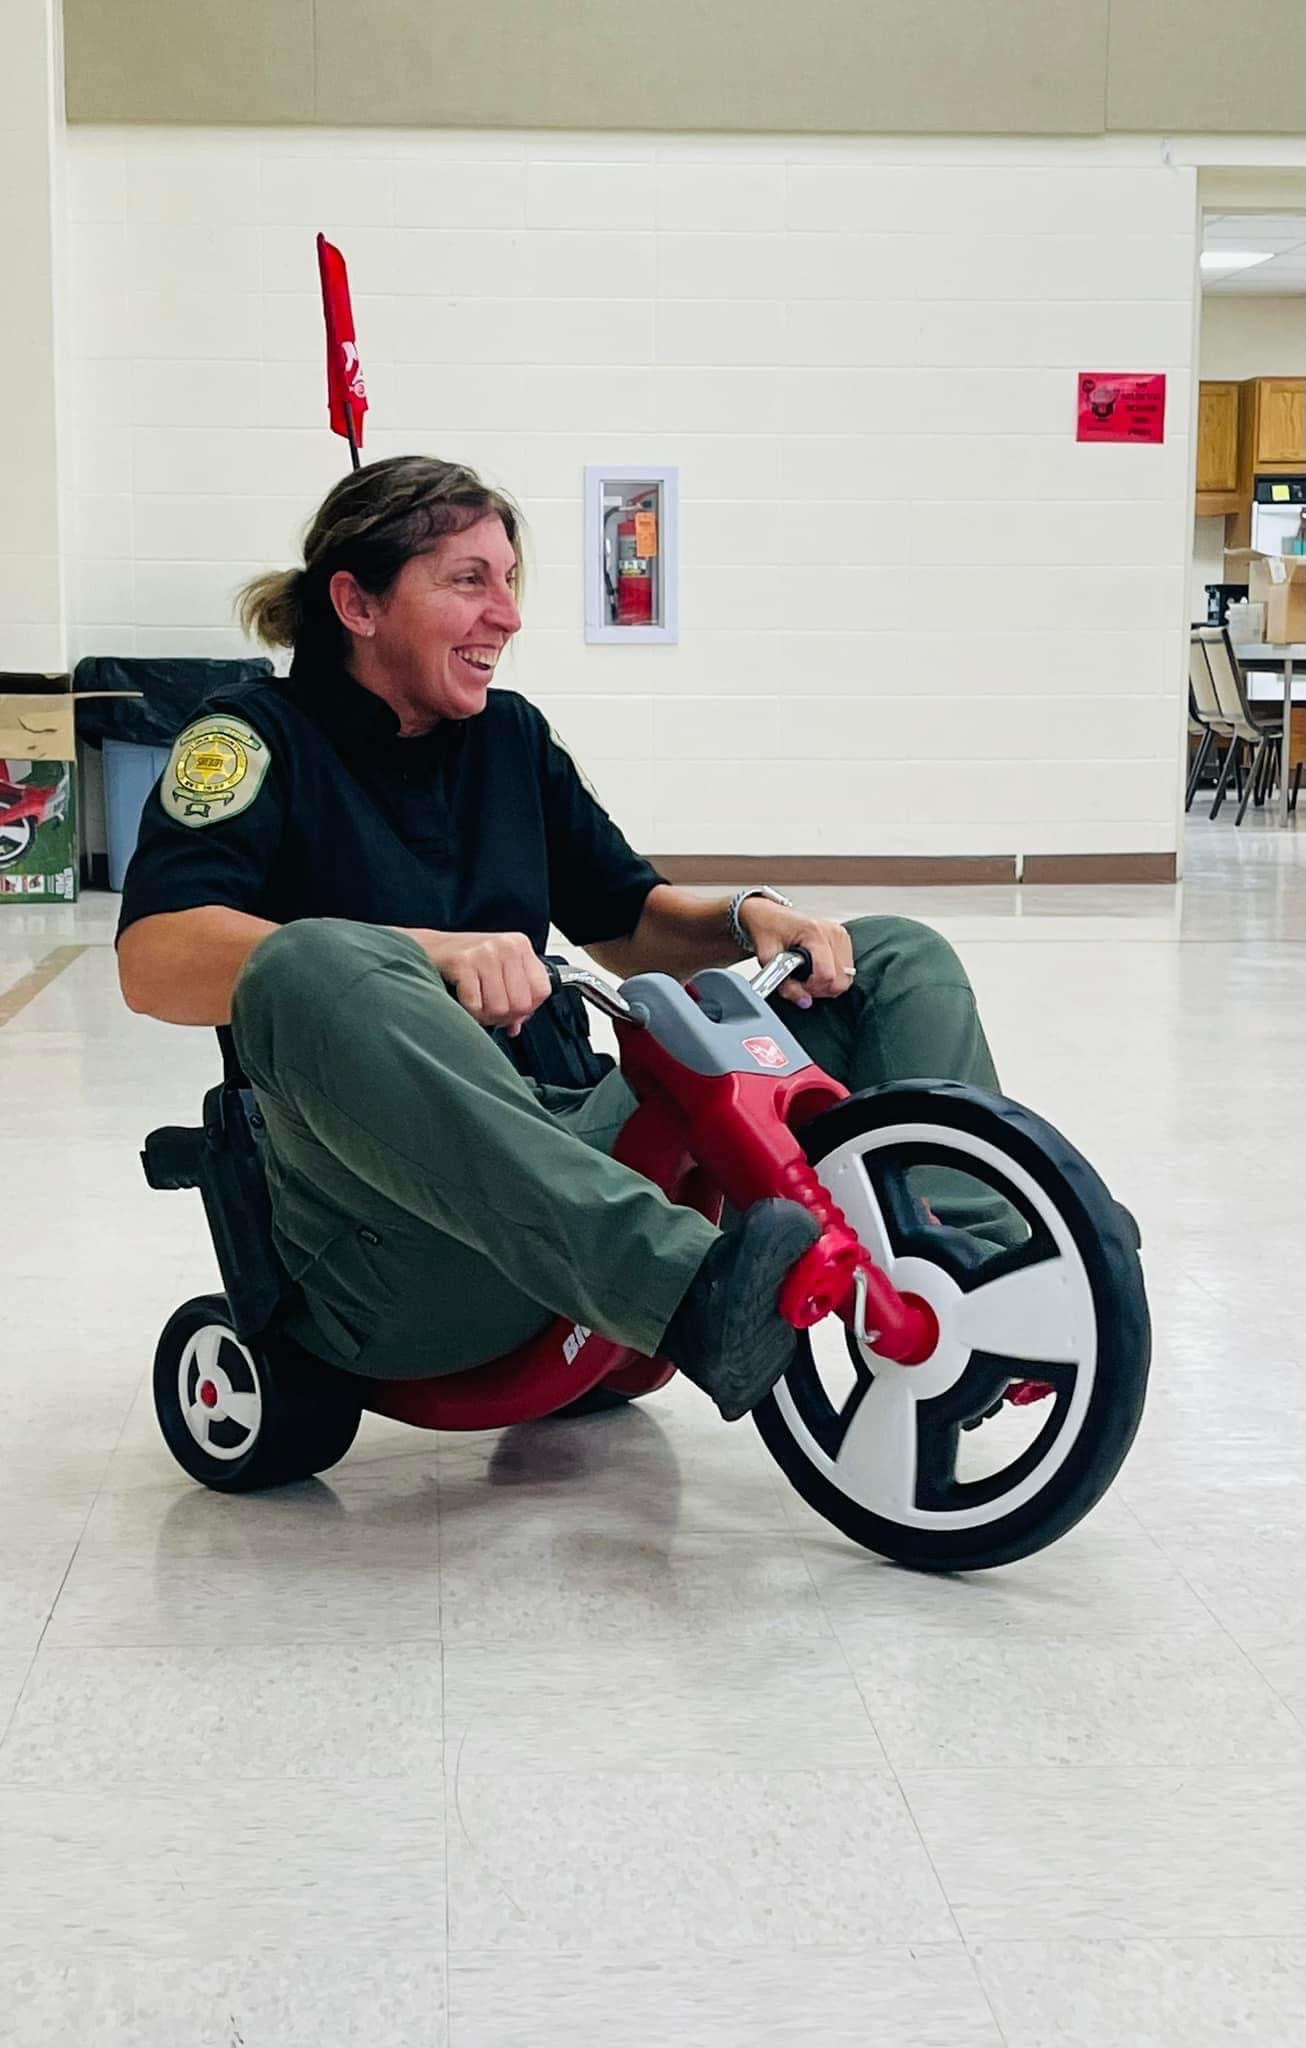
(498, 977)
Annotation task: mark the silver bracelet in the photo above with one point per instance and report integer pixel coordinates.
(741, 896)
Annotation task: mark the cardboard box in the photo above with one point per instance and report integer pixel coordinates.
(40, 854)
(38, 798)
(1279, 583)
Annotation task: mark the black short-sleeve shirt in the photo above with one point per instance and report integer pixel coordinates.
(480, 825)
(484, 824)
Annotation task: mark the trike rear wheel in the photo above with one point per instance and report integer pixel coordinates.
(892, 1455)
(242, 1416)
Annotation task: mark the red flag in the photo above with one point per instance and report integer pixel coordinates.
(346, 391)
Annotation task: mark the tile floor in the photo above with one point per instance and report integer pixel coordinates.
(593, 1733)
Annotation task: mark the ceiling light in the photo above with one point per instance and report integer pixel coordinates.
(1215, 261)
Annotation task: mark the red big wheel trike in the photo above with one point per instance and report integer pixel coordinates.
(974, 1337)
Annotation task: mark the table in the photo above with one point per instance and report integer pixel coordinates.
(1261, 657)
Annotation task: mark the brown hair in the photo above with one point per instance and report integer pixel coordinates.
(371, 523)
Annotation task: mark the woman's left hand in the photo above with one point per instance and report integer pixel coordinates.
(776, 928)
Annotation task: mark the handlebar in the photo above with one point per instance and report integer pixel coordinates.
(794, 966)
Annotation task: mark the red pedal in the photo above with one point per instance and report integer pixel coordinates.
(1024, 1393)
(821, 1281)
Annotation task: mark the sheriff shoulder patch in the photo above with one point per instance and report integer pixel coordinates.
(215, 771)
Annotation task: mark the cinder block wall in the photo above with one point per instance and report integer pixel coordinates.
(916, 616)
(31, 223)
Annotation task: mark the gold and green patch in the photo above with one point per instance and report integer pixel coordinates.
(215, 771)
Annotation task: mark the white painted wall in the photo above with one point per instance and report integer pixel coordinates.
(1253, 335)
(915, 615)
(31, 596)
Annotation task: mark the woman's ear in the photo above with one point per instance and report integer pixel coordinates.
(354, 607)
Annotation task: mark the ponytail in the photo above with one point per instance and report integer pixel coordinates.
(271, 608)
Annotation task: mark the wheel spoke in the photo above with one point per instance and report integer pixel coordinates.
(242, 1408)
(208, 1348)
(877, 1458)
(197, 1421)
(1042, 1312)
(850, 1185)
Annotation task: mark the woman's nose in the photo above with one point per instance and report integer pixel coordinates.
(503, 610)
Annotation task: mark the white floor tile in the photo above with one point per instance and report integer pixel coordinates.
(651, 1866)
(1281, 1659)
(1084, 1585)
(168, 1716)
(169, 1601)
(544, 1578)
(920, 1997)
(1150, 1994)
(773, 1703)
(1109, 1852)
(1252, 1583)
(360, 1513)
(13, 1672)
(30, 1577)
(665, 1462)
(941, 1700)
(350, 1996)
(142, 1870)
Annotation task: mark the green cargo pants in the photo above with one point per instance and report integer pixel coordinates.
(436, 1209)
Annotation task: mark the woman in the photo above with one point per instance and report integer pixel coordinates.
(357, 868)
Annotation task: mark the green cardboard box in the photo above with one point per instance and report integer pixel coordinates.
(39, 856)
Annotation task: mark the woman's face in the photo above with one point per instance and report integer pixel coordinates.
(430, 645)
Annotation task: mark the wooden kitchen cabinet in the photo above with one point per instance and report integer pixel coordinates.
(1279, 423)
(1217, 449)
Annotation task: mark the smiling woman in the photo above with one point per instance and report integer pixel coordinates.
(412, 571)
(429, 644)
(355, 866)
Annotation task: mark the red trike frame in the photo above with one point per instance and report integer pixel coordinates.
(705, 1139)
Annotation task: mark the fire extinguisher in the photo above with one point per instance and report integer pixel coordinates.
(632, 589)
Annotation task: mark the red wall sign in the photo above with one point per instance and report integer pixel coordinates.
(1120, 408)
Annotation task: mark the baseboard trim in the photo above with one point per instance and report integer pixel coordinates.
(852, 869)
(899, 871)
(1100, 867)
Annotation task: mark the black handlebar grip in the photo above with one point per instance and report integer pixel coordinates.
(555, 977)
(802, 972)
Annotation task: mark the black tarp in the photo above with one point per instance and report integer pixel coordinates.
(172, 691)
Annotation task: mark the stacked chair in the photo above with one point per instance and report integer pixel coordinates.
(1218, 707)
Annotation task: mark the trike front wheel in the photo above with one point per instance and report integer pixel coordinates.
(949, 1465)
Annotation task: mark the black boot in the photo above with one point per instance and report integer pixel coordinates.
(728, 1334)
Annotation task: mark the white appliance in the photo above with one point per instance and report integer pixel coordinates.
(1277, 505)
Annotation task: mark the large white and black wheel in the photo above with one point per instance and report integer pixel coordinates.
(16, 839)
(239, 1417)
(933, 1465)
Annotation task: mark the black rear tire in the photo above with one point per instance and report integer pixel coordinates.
(240, 1417)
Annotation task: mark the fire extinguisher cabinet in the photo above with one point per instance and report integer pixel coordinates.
(632, 550)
